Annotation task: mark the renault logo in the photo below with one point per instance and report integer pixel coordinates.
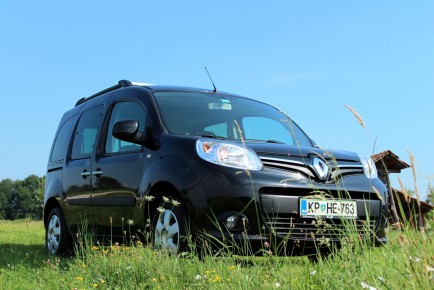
(321, 168)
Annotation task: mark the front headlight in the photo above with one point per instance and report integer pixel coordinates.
(227, 154)
(369, 167)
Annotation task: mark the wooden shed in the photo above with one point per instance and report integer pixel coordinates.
(402, 207)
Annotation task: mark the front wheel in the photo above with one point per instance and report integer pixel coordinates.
(57, 238)
(169, 228)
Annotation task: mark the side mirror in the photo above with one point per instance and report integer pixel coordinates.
(127, 130)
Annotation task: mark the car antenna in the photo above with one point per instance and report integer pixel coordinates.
(215, 89)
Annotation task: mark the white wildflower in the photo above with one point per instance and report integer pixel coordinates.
(161, 209)
(175, 202)
(149, 198)
(381, 279)
(366, 286)
(165, 199)
(277, 285)
(130, 222)
(197, 277)
(313, 273)
(414, 259)
(429, 269)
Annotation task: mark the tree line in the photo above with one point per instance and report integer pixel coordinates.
(22, 198)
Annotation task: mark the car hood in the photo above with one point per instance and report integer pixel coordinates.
(264, 149)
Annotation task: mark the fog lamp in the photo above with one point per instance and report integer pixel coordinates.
(231, 222)
(235, 221)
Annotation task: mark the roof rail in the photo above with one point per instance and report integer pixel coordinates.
(121, 84)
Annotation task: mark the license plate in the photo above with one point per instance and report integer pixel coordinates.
(312, 208)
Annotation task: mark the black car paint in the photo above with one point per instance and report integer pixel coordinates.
(113, 194)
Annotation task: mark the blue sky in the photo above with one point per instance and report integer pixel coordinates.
(309, 58)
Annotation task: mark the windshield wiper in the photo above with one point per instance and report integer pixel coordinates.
(267, 141)
(212, 136)
(274, 141)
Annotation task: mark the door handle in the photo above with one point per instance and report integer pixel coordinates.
(97, 172)
(85, 174)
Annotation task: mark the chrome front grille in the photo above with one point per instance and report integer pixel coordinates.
(293, 228)
(338, 169)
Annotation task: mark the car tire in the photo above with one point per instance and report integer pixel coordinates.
(169, 228)
(57, 237)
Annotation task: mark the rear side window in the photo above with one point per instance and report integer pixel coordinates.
(62, 141)
(86, 133)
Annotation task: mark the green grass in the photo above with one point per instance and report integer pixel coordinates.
(405, 263)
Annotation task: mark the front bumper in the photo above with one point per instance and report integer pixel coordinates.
(269, 199)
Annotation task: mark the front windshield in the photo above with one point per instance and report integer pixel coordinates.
(225, 116)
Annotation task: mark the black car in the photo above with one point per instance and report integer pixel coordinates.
(178, 162)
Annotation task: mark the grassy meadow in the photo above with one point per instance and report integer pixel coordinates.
(406, 262)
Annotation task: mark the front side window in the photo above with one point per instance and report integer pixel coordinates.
(86, 133)
(123, 111)
(226, 116)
